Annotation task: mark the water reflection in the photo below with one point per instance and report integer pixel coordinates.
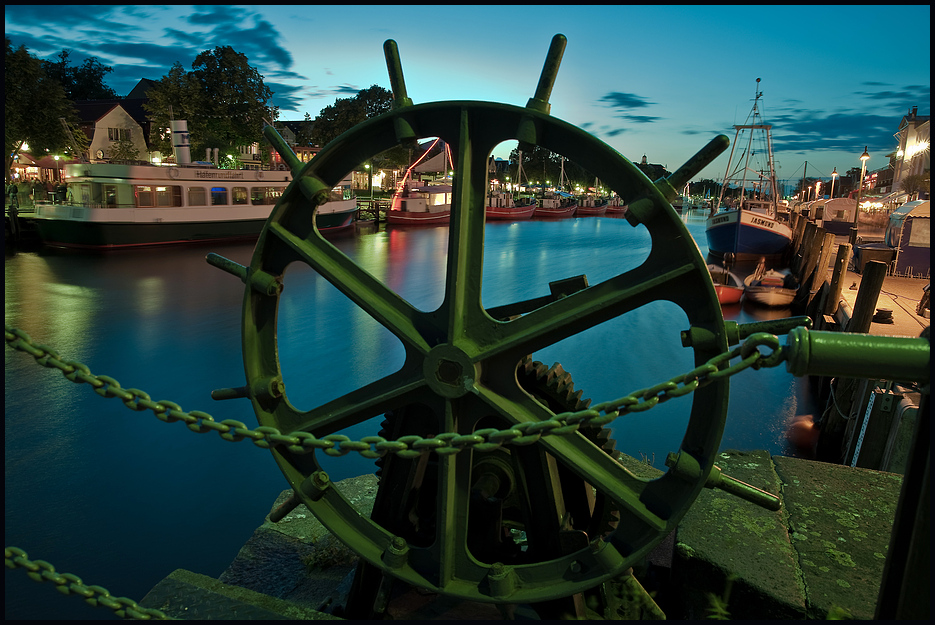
(167, 322)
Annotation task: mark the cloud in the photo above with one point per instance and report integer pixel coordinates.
(618, 100)
(812, 131)
(640, 119)
(909, 93)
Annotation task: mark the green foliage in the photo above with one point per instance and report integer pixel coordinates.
(124, 150)
(230, 162)
(34, 102)
(223, 99)
(837, 613)
(83, 82)
(717, 605)
(345, 113)
(304, 138)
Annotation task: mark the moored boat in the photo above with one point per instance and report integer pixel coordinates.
(591, 205)
(502, 206)
(727, 285)
(113, 205)
(421, 206)
(770, 287)
(556, 205)
(751, 228)
(615, 206)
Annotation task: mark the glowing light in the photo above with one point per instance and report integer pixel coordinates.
(399, 186)
(913, 150)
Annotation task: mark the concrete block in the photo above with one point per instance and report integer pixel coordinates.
(187, 595)
(839, 521)
(723, 536)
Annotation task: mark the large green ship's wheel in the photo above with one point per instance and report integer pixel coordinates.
(461, 363)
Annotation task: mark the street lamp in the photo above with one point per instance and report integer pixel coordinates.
(833, 174)
(860, 189)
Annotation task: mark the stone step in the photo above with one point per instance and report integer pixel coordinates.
(821, 553)
(187, 595)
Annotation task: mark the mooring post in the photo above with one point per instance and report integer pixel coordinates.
(868, 294)
(837, 279)
(824, 258)
(905, 589)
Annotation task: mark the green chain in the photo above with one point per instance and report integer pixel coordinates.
(412, 446)
(68, 584)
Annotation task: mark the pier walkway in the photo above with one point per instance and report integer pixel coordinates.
(822, 553)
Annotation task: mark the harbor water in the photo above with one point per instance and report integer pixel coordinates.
(121, 499)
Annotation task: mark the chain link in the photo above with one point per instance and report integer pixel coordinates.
(412, 446)
(68, 584)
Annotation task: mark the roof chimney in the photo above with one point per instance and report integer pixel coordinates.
(915, 109)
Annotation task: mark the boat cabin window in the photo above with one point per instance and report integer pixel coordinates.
(196, 196)
(239, 195)
(144, 196)
(169, 196)
(218, 196)
(265, 195)
(149, 196)
(110, 196)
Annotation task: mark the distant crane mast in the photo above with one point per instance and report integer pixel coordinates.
(71, 139)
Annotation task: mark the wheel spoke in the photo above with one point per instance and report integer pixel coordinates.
(584, 309)
(380, 302)
(581, 456)
(466, 240)
(454, 488)
(400, 388)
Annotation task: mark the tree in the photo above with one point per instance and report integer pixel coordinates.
(124, 150)
(345, 113)
(84, 82)
(223, 98)
(232, 97)
(304, 138)
(171, 98)
(914, 183)
(34, 103)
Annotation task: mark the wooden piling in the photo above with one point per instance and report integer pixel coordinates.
(821, 270)
(866, 303)
(838, 276)
(811, 254)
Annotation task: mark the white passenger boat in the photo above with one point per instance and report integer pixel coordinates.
(112, 205)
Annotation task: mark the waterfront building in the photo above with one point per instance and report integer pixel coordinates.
(912, 156)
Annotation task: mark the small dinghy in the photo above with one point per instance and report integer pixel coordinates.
(727, 285)
(770, 288)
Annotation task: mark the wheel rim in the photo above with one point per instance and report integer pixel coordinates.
(461, 363)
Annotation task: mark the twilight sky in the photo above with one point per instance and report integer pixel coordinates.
(660, 81)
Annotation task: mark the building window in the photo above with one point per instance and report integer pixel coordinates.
(218, 196)
(196, 196)
(118, 134)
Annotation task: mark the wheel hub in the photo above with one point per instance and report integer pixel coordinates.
(449, 371)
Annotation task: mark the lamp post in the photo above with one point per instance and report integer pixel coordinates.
(860, 189)
(833, 174)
